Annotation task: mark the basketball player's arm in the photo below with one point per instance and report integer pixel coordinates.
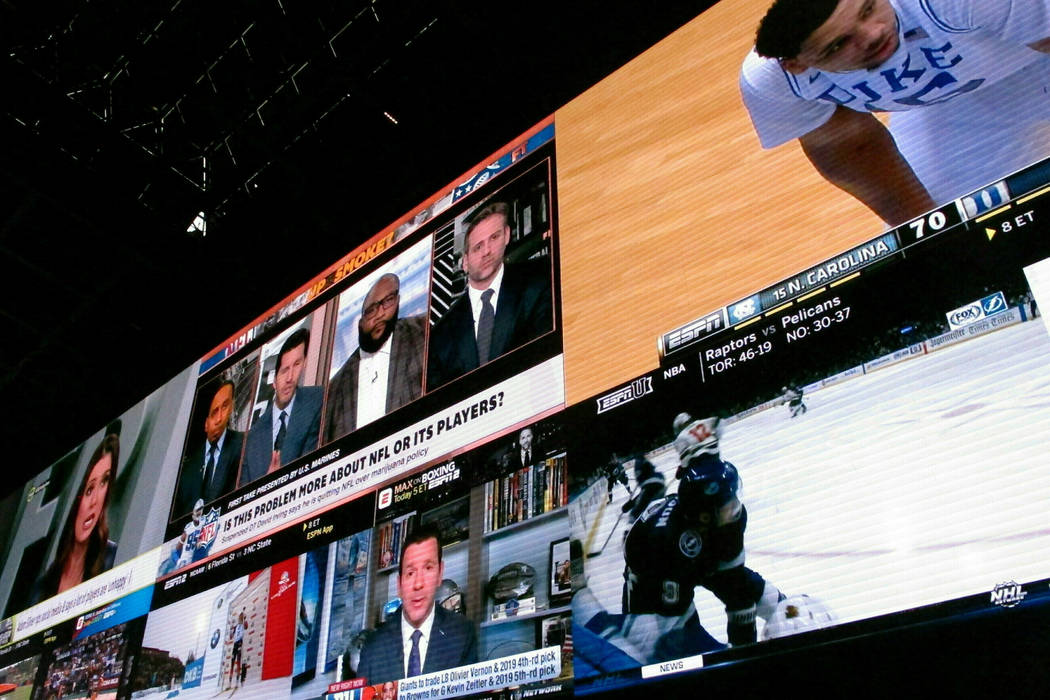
(856, 153)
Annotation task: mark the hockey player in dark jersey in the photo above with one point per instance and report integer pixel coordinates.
(792, 396)
(692, 538)
(649, 485)
(696, 538)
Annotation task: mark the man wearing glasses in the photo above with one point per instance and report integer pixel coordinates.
(386, 371)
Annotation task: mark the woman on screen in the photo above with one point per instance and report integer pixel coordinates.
(85, 550)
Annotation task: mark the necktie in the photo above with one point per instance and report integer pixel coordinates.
(281, 431)
(485, 321)
(528, 458)
(209, 468)
(413, 656)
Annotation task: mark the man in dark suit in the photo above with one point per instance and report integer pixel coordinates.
(386, 371)
(526, 451)
(504, 307)
(423, 637)
(210, 469)
(288, 427)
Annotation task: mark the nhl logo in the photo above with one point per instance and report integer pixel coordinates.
(1008, 594)
(689, 543)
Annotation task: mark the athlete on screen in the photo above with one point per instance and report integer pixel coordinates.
(696, 538)
(964, 82)
(615, 473)
(692, 538)
(649, 486)
(792, 396)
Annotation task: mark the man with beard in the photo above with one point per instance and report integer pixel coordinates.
(504, 306)
(386, 371)
(209, 469)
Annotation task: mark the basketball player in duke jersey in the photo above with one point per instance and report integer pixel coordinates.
(965, 82)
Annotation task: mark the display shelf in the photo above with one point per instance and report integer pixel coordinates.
(534, 520)
(527, 616)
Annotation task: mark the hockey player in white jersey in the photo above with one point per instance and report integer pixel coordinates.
(964, 82)
(695, 438)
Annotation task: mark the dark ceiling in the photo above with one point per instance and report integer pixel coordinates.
(299, 129)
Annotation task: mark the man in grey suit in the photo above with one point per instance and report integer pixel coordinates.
(386, 371)
(288, 427)
(423, 637)
(503, 307)
(209, 470)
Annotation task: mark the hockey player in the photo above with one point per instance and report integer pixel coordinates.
(695, 438)
(692, 538)
(696, 538)
(615, 473)
(793, 398)
(649, 486)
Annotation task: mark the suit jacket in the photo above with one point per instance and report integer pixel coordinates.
(47, 585)
(523, 312)
(452, 643)
(404, 382)
(191, 483)
(300, 436)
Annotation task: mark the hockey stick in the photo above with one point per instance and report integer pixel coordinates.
(630, 495)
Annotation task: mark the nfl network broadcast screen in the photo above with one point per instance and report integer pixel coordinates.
(739, 352)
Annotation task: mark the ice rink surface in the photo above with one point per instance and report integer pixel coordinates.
(921, 482)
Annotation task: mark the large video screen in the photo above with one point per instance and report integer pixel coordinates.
(671, 204)
(866, 453)
(734, 355)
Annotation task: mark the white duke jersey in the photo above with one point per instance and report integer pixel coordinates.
(968, 98)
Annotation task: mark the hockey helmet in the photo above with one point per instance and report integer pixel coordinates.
(681, 420)
(512, 581)
(450, 597)
(643, 468)
(707, 487)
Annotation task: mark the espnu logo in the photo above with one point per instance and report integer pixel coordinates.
(1008, 594)
(635, 390)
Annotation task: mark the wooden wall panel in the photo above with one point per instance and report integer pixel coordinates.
(669, 208)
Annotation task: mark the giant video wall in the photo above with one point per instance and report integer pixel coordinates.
(632, 398)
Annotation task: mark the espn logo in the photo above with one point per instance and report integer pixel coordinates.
(386, 497)
(692, 332)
